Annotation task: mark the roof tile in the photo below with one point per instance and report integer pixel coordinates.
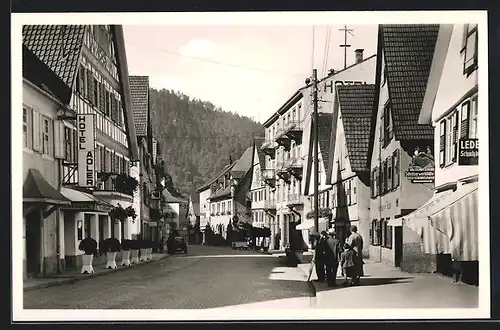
(58, 46)
(408, 53)
(356, 107)
(139, 90)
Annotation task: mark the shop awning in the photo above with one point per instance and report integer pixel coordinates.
(83, 200)
(418, 219)
(37, 190)
(452, 225)
(309, 223)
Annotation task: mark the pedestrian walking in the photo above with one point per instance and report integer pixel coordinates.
(355, 240)
(347, 264)
(332, 258)
(319, 255)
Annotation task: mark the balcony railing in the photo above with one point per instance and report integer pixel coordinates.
(293, 126)
(269, 175)
(270, 204)
(294, 200)
(294, 163)
(269, 145)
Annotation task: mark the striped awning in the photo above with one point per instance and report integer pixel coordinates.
(453, 228)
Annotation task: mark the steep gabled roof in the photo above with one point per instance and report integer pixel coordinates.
(324, 132)
(243, 164)
(139, 90)
(39, 74)
(226, 169)
(171, 199)
(262, 156)
(58, 47)
(408, 51)
(356, 107)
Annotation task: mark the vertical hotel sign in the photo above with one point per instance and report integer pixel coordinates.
(86, 150)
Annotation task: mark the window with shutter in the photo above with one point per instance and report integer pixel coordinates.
(107, 103)
(382, 178)
(396, 173)
(390, 171)
(470, 56)
(114, 110)
(376, 182)
(454, 142)
(58, 140)
(81, 81)
(473, 118)
(90, 86)
(442, 143)
(464, 124)
(102, 98)
(37, 133)
(371, 183)
(67, 144)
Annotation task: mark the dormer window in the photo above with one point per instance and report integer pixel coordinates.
(470, 49)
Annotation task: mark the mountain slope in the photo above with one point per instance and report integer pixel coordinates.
(197, 138)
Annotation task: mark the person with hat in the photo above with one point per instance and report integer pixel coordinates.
(332, 258)
(319, 255)
(356, 241)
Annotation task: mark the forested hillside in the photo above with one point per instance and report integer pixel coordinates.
(196, 137)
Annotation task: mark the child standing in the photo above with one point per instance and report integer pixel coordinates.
(347, 263)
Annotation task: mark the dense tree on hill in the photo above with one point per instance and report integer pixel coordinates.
(197, 138)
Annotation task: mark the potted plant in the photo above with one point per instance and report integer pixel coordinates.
(143, 249)
(126, 252)
(150, 250)
(89, 247)
(134, 251)
(111, 246)
(126, 184)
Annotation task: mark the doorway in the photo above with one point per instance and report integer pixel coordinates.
(398, 245)
(33, 233)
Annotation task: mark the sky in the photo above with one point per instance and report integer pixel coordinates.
(250, 70)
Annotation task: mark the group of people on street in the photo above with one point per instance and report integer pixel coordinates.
(330, 253)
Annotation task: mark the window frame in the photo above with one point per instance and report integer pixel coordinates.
(469, 68)
(47, 145)
(473, 117)
(28, 139)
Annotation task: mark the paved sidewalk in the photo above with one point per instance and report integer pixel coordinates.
(386, 287)
(74, 275)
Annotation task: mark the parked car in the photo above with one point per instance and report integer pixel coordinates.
(176, 244)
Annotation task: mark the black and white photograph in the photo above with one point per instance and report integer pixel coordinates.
(252, 166)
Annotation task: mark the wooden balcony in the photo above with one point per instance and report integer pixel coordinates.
(293, 130)
(281, 172)
(294, 200)
(282, 139)
(269, 148)
(294, 166)
(269, 177)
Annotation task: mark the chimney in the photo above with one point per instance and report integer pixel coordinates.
(230, 160)
(359, 55)
(331, 72)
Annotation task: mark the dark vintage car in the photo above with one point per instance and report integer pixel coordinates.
(176, 244)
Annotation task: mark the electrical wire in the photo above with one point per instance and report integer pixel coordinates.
(171, 52)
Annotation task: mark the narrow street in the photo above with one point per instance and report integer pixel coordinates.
(208, 277)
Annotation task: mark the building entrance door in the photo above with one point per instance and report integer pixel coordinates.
(33, 237)
(398, 245)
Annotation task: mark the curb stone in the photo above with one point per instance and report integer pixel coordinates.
(82, 277)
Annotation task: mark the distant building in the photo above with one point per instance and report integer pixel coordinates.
(224, 200)
(143, 170)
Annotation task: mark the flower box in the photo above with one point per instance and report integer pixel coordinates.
(87, 267)
(144, 255)
(111, 260)
(134, 256)
(126, 258)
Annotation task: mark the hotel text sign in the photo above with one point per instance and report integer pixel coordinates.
(86, 150)
(468, 152)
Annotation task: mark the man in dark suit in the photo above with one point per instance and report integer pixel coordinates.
(332, 257)
(319, 256)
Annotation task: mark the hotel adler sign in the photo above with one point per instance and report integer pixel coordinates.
(86, 150)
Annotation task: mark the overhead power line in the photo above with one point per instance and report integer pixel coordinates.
(171, 52)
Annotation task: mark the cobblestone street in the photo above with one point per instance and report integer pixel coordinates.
(208, 277)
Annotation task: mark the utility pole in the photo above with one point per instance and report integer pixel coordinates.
(315, 149)
(345, 45)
